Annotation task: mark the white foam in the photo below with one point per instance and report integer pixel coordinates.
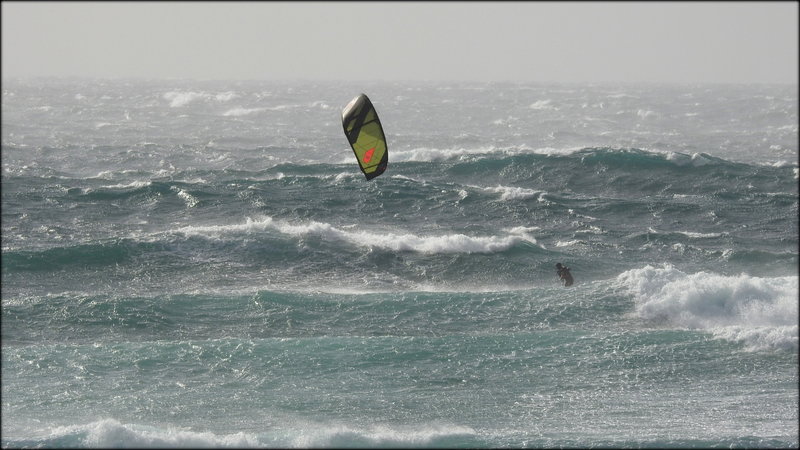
(376, 436)
(514, 193)
(505, 122)
(110, 433)
(700, 159)
(680, 159)
(761, 338)
(590, 229)
(131, 185)
(225, 96)
(191, 201)
(687, 196)
(403, 177)
(761, 312)
(182, 98)
(218, 231)
(238, 112)
(281, 107)
(542, 104)
(644, 113)
(425, 154)
(689, 234)
(779, 164)
(428, 154)
(373, 238)
(320, 104)
(525, 233)
(522, 230)
(341, 176)
(696, 235)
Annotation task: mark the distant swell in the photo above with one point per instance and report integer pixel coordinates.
(247, 241)
(83, 256)
(620, 157)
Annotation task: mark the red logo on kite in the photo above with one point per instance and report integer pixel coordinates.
(368, 154)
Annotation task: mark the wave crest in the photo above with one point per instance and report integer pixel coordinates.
(761, 312)
(110, 433)
(436, 244)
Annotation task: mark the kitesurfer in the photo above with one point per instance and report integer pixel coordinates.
(563, 274)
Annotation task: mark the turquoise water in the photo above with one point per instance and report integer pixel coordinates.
(202, 264)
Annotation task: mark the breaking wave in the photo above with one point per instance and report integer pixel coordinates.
(759, 311)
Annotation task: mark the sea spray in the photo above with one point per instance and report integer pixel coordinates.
(760, 311)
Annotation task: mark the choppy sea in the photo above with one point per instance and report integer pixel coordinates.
(202, 264)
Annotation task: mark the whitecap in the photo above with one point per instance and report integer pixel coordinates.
(320, 104)
(191, 201)
(697, 235)
(644, 113)
(382, 239)
(511, 192)
(758, 311)
(182, 98)
(376, 436)
(237, 112)
(131, 185)
(430, 154)
(542, 104)
(225, 96)
(110, 433)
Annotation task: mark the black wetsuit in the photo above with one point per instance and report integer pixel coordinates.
(563, 273)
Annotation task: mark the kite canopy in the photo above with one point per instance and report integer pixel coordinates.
(365, 134)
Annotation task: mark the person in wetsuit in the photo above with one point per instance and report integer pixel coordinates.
(564, 275)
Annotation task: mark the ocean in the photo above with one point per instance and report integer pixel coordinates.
(195, 263)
